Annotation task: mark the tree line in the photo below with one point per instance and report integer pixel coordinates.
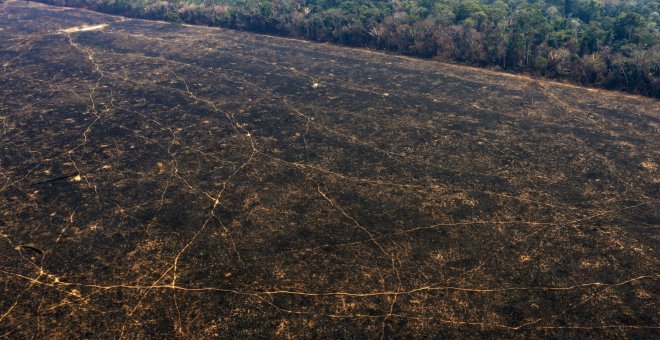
(613, 44)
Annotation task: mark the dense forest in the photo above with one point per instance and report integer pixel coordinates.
(613, 44)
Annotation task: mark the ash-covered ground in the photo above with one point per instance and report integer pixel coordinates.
(162, 181)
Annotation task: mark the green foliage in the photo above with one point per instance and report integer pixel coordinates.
(540, 63)
(173, 18)
(608, 43)
(466, 9)
(626, 24)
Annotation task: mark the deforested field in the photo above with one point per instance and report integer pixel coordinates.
(161, 181)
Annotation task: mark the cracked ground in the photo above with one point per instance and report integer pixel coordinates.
(161, 181)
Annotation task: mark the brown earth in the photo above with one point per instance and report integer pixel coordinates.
(196, 182)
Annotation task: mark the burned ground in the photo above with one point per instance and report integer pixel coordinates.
(170, 181)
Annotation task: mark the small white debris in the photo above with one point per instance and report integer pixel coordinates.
(76, 178)
(386, 94)
(315, 85)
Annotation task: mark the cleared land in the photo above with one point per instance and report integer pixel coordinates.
(160, 181)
